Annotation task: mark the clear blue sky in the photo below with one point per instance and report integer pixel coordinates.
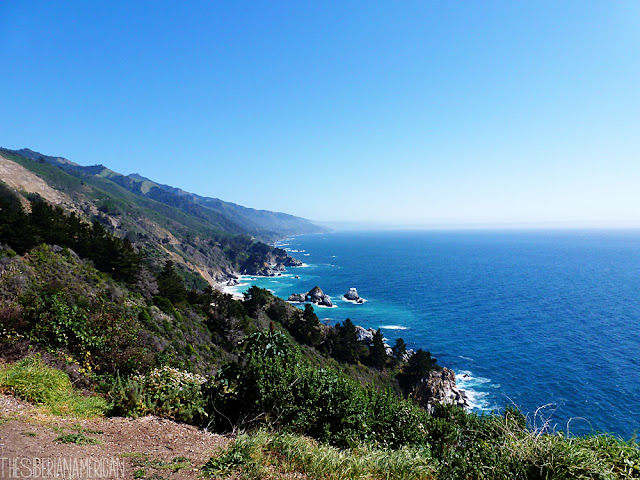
(426, 112)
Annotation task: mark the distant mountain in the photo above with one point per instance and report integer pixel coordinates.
(206, 238)
(262, 224)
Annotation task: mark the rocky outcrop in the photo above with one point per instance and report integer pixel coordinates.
(439, 386)
(298, 297)
(268, 264)
(291, 262)
(317, 296)
(352, 295)
(365, 335)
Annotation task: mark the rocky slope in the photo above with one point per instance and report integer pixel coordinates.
(439, 387)
(204, 244)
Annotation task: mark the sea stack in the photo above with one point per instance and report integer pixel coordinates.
(352, 295)
(317, 296)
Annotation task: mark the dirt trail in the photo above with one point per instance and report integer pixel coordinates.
(148, 447)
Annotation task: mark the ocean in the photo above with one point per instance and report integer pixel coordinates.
(548, 321)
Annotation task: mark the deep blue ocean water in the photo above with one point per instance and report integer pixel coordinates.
(524, 317)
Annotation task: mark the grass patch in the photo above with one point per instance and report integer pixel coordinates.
(535, 455)
(31, 380)
(77, 439)
(268, 455)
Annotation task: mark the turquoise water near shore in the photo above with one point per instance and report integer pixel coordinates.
(524, 317)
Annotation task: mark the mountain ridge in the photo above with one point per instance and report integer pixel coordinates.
(206, 245)
(264, 224)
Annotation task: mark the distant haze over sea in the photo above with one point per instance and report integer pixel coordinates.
(453, 225)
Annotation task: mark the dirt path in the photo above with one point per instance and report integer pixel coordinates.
(148, 447)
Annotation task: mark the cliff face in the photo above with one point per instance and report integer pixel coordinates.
(439, 387)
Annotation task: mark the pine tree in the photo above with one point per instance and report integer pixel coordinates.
(377, 353)
(170, 285)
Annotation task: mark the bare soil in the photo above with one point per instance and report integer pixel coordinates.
(21, 179)
(147, 447)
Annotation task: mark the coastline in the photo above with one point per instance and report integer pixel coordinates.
(461, 379)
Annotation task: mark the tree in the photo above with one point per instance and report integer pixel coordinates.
(255, 298)
(347, 347)
(420, 364)
(310, 326)
(399, 349)
(377, 352)
(170, 285)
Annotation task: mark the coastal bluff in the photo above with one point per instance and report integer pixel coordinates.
(439, 386)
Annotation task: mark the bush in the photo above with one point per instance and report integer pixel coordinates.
(100, 338)
(269, 385)
(165, 392)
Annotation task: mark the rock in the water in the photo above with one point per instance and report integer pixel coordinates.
(439, 386)
(233, 282)
(279, 267)
(317, 296)
(298, 297)
(352, 295)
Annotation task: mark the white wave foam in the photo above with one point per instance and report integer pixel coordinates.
(474, 387)
(468, 377)
(353, 301)
(393, 327)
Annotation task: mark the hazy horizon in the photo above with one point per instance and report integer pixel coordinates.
(414, 115)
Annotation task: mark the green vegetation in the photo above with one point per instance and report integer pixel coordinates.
(272, 385)
(78, 439)
(165, 392)
(268, 455)
(115, 315)
(31, 380)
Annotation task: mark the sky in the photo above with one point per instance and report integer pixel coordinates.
(398, 113)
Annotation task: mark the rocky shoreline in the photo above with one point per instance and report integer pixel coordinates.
(439, 386)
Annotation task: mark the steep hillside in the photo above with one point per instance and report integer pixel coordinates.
(203, 243)
(228, 216)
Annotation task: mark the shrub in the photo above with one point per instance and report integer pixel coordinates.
(269, 385)
(165, 392)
